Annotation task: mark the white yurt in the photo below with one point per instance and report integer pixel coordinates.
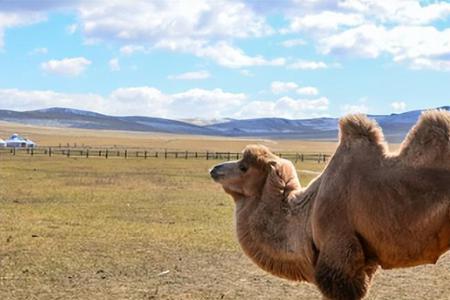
(16, 141)
(2, 143)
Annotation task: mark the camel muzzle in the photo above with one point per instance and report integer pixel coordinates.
(217, 172)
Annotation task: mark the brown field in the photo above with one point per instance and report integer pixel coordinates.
(154, 229)
(45, 136)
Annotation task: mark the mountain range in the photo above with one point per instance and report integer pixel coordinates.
(395, 126)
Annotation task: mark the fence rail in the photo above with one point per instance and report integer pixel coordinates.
(109, 153)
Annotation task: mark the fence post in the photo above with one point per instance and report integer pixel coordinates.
(126, 153)
(49, 151)
(186, 155)
(106, 153)
(156, 154)
(176, 154)
(87, 153)
(68, 152)
(145, 154)
(207, 155)
(165, 153)
(229, 156)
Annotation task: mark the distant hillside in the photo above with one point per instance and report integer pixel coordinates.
(395, 126)
(73, 118)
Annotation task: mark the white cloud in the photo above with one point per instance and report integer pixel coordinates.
(223, 53)
(202, 28)
(278, 87)
(137, 101)
(431, 64)
(325, 21)
(150, 21)
(285, 107)
(28, 100)
(143, 100)
(130, 49)
(308, 65)
(293, 43)
(421, 47)
(398, 105)
(229, 56)
(308, 90)
(38, 51)
(114, 64)
(193, 103)
(196, 75)
(67, 66)
(206, 103)
(401, 11)
(365, 40)
(149, 101)
(406, 30)
(355, 108)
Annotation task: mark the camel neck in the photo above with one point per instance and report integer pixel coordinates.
(276, 234)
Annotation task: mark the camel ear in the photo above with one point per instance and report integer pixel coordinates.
(272, 163)
(283, 175)
(275, 175)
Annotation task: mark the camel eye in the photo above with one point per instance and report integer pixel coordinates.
(243, 168)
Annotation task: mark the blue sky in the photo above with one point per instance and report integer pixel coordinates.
(219, 59)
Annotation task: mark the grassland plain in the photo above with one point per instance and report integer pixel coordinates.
(133, 229)
(145, 229)
(47, 136)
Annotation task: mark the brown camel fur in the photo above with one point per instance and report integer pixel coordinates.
(368, 208)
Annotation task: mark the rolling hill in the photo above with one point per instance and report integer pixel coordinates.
(394, 126)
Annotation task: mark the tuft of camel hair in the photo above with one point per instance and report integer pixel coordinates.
(369, 208)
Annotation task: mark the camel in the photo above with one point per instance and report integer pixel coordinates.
(369, 208)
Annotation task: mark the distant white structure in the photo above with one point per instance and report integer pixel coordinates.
(16, 141)
(2, 143)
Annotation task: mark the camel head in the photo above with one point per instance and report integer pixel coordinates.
(255, 174)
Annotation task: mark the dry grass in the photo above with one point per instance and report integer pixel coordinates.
(109, 229)
(144, 229)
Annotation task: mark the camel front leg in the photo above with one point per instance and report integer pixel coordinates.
(341, 271)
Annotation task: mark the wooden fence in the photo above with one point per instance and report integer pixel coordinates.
(111, 153)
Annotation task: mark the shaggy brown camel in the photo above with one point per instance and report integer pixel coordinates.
(368, 208)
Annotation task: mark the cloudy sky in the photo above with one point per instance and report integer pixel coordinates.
(214, 59)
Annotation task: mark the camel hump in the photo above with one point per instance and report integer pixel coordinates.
(359, 126)
(428, 142)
